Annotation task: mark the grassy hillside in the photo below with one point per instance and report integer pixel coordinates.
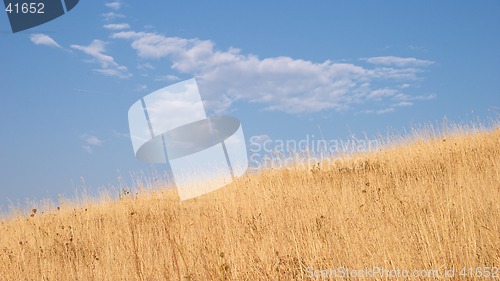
(430, 204)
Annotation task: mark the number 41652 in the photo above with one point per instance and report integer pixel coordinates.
(26, 8)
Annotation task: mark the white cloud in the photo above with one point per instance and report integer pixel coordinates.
(398, 61)
(90, 142)
(151, 45)
(417, 48)
(279, 83)
(141, 88)
(109, 67)
(380, 94)
(378, 111)
(404, 103)
(42, 39)
(88, 149)
(121, 134)
(116, 26)
(386, 110)
(112, 15)
(113, 72)
(425, 97)
(114, 5)
(168, 78)
(408, 73)
(172, 78)
(144, 66)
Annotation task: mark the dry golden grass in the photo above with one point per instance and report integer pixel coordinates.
(429, 204)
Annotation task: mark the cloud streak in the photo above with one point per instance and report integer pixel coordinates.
(42, 39)
(108, 66)
(114, 5)
(280, 83)
(116, 26)
(111, 16)
(90, 142)
(398, 61)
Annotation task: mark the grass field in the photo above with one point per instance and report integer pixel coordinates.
(429, 203)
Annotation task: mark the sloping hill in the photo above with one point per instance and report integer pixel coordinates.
(424, 205)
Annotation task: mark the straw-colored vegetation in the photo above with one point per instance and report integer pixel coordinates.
(425, 204)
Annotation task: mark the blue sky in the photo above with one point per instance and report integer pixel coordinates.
(286, 69)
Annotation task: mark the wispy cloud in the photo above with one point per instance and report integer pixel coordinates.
(416, 48)
(279, 83)
(404, 103)
(111, 16)
(114, 5)
(90, 142)
(167, 78)
(42, 39)
(108, 66)
(141, 88)
(380, 94)
(116, 26)
(121, 134)
(378, 111)
(145, 66)
(398, 61)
